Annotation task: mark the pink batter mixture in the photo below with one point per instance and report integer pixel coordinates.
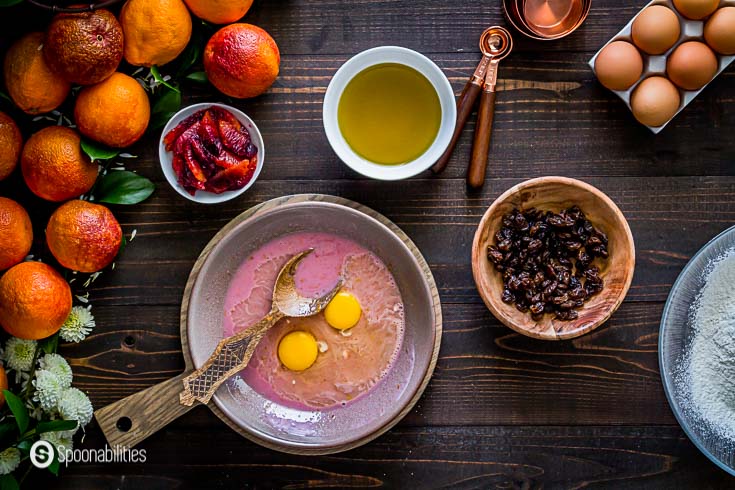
(354, 361)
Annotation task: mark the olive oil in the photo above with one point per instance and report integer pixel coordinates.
(389, 114)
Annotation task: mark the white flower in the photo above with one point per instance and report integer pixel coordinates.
(57, 365)
(9, 460)
(19, 354)
(48, 389)
(78, 325)
(34, 411)
(74, 405)
(22, 378)
(62, 440)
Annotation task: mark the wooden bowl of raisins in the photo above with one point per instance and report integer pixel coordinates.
(553, 258)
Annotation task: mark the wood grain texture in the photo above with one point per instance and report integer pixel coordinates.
(435, 457)
(670, 217)
(514, 379)
(146, 412)
(551, 112)
(481, 140)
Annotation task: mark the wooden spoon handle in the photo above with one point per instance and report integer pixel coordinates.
(465, 103)
(231, 356)
(130, 420)
(481, 145)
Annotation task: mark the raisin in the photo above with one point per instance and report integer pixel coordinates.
(546, 260)
(495, 255)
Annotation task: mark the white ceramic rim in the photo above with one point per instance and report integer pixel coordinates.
(165, 157)
(372, 57)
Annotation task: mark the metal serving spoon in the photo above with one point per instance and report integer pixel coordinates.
(233, 353)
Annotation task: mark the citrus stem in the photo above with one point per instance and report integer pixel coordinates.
(100, 176)
(31, 373)
(25, 475)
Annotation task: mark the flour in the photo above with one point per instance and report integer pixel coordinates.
(708, 376)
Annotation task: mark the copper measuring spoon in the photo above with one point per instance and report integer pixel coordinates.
(233, 353)
(495, 44)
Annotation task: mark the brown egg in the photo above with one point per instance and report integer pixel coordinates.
(692, 65)
(719, 31)
(696, 9)
(619, 65)
(656, 29)
(654, 101)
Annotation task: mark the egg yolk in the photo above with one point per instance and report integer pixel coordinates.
(298, 350)
(343, 311)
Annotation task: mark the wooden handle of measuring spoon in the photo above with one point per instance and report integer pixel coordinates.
(465, 103)
(481, 145)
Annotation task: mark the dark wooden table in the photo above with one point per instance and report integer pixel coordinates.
(502, 410)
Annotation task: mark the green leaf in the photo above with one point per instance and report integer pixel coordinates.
(165, 107)
(7, 428)
(9, 3)
(191, 54)
(168, 102)
(50, 344)
(19, 410)
(24, 446)
(157, 77)
(98, 152)
(5, 96)
(54, 466)
(55, 426)
(123, 187)
(8, 482)
(197, 76)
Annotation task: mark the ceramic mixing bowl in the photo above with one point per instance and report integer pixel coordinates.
(318, 431)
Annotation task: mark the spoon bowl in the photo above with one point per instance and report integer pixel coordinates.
(289, 301)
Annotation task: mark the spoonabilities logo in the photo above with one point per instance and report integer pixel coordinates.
(42, 454)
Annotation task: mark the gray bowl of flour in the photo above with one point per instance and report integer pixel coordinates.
(697, 349)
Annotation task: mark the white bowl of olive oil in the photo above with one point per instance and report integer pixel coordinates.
(389, 113)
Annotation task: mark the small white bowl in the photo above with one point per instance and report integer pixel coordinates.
(166, 157)
(376, 56)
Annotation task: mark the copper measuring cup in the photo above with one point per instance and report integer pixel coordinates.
(514, 12)
(495, 44)
(550, 18)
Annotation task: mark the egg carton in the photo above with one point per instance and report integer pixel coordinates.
(691, 30)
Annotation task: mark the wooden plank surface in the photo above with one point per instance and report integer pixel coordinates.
(502, 410)
(482, 364)
(432, 457)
